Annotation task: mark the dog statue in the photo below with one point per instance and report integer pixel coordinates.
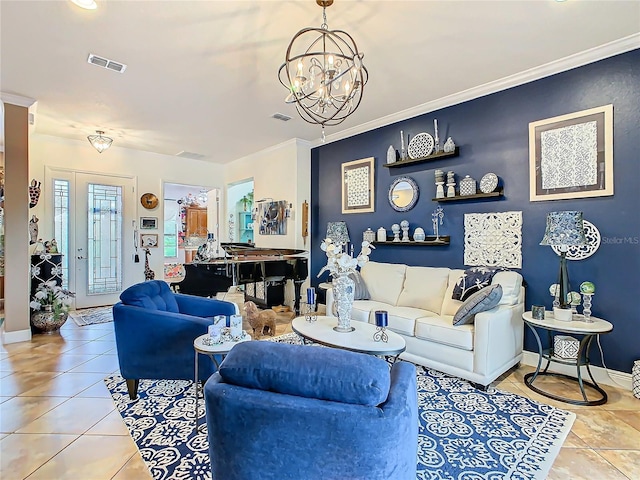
(259, 319)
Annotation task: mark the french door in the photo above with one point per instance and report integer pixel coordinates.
(93, 222)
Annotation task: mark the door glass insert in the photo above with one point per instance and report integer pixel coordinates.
(61, 224)
(104, 256)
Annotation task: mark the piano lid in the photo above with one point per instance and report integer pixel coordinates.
(250, 250)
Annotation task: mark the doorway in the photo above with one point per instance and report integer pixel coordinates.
(93, 219)
(240, 211)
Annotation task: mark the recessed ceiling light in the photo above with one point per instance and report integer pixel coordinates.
(87, 4)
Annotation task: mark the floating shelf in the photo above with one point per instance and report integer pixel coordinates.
(429, 241)
(498, 193)
(430, 158)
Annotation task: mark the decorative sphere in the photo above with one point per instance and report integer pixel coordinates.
(587, 287)
(404, 223)
(395, 228)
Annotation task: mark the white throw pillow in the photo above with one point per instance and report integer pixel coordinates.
(424, 288)
(384, 280)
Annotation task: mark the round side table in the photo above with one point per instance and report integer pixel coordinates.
(588, 331)
(211, 351)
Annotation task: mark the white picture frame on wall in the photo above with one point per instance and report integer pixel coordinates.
(571, 156)
(358, 192)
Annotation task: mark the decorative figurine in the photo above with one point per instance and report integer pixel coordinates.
(404, 224)
(418, 235)
(438, 214)
(34, 193)
(33, 229)
(451, 184)
(391, 154)
(439, 183)
(54, 246)
(395, 228)
(449, 146)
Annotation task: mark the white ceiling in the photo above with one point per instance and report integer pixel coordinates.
(202, 75)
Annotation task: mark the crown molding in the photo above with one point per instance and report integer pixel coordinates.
(576, 60)
(17, 100)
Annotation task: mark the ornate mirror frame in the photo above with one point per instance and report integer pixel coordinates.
(414, 198)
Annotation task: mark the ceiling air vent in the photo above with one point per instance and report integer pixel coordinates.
(281, 116)
(191, 155)
(106, 63)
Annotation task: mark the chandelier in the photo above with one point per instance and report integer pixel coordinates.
(99, 142)
(324, 73)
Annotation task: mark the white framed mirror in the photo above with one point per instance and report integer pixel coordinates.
(403, 194)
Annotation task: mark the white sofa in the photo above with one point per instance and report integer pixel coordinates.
(420, 308)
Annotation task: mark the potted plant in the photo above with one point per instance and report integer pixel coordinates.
(51, 304)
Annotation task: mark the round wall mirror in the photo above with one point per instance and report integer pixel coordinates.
(403, 194)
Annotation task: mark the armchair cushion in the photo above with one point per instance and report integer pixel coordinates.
(341, 376)
(152, 295)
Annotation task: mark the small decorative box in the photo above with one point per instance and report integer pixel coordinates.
(467, 186)
(565, 346)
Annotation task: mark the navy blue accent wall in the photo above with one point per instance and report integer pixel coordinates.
(492, 133)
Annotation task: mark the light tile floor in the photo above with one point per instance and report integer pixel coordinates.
(57, 420)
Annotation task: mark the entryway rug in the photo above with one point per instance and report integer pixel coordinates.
(464, 434)
(92, 316)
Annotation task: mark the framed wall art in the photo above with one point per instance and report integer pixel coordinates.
(149, 240)
(358, 194)
(148, 223)
(571, 156)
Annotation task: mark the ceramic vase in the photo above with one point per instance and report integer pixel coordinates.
(343, 293)
(46, 321)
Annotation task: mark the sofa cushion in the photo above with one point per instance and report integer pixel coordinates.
(511, 286)
(362, 309)
(450, 305)
(153, 295)
(441, 330)
(401, 319)
(472, 280)
(312, 372)
(360, 288)
(424, 288)
(482, 300)
(384, 281)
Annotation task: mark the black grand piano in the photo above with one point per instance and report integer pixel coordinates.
(263, 272)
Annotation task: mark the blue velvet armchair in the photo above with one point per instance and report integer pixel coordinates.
(277, 411)
(155, 329)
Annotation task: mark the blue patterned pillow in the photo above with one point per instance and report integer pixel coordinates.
(481, 301)
(472, 280)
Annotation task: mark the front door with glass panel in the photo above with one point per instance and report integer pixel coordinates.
(97, 222)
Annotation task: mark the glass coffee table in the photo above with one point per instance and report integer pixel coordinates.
(360, 340)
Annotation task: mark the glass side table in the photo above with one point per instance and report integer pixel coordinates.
(588, 331)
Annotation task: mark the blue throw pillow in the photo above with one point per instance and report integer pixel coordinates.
(360, 290)
(472, 280)
(312, 372)
(481, 301)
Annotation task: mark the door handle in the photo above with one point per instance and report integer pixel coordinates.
(81, 258)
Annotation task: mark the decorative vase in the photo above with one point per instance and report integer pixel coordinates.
(46, 321)
(343, 293)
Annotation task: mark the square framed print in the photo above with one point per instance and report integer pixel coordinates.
(149, 240)
(358, 194)
(148, 223)
(571, 156)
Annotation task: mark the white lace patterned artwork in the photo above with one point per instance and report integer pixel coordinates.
(493, 239)
(569, 156)
(358, 189)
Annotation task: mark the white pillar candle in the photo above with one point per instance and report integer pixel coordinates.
(235, 324)
(402, 140)
(435, 127)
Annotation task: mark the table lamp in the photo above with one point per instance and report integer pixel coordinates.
(564, 229)
(338, 233)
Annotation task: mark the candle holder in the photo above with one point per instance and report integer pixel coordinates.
(310, 314)
(586, 307)
(380, 335)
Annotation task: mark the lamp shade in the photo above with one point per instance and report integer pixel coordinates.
(564, 229)
(338, 233)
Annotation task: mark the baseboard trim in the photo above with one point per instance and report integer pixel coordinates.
(613, 378)
(15, 337)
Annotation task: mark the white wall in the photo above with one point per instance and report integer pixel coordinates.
(149, 171)
(282, 172)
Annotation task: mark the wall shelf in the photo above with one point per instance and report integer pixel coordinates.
(496, 194)
(430, 158)
(429, 241)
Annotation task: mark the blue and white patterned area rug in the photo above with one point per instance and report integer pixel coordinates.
(465, 434)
